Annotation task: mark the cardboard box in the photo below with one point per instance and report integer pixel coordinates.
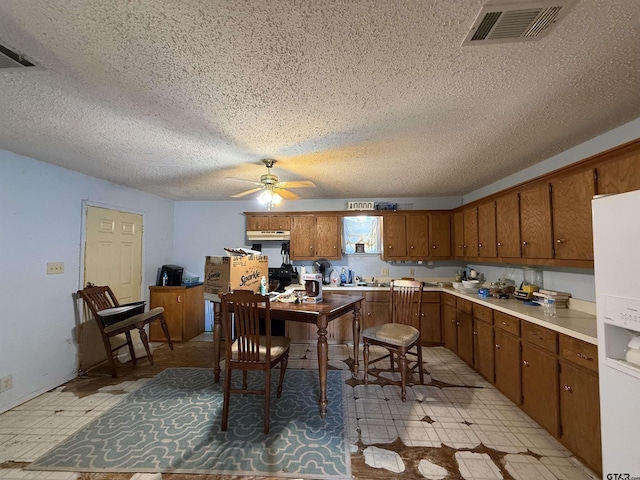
(238, 272)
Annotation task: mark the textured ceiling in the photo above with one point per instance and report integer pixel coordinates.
(366, 98)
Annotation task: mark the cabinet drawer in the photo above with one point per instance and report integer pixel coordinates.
(540, 336)
(464, 305)
(449, 299)
(431, 297)
(579, 352)
(507, 323)
(377, 296)
(483, 313)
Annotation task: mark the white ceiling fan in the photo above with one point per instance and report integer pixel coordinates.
(273, 190)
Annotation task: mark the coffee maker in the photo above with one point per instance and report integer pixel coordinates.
(312, 287)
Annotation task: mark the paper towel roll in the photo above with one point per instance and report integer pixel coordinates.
(633, 356)
(303, 270)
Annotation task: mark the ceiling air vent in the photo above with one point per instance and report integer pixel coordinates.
(515, 22)
(11, 59)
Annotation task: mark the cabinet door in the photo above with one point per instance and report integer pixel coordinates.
(279, 222)
(172, 299)
(450, 328)
(572, 227)
(465, 337)
(375, 313)
(470, 243)
(417, 236)
(508, 225)
(540, 388)
(458, 234)
(394, 234)
(580, 414)
(431, 324)
(303, 231)
(619, 176)
(535, 222)
(328, 237)
(193, 312)
(487, 230)
(440, 235)
(483, 356)
(507, 366)
(257, 222)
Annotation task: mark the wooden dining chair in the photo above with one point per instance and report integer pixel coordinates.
(115, 319)
(401, 334)
(251, 350)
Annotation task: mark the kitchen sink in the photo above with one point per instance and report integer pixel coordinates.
(378, 284)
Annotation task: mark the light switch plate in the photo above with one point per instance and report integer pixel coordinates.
(54, 268)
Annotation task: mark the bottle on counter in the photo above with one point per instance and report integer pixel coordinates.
(263, 286)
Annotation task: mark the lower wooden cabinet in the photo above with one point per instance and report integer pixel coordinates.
(183, 312)
(431, 321)
(508, 371)
(540, 387)
(483, 356)
(449, 327)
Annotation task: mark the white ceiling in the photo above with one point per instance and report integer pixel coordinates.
(366, 98)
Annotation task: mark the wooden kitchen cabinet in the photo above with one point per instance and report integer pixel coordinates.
(535, 222)
(464, 324)
(470, 229)
(417, 236)
(449, 322)
(621, 174)
(580, 413)
(540, 387)
(571, 205)
(315, 236)
(376, 309)
(508, 373)
(487, 247)
(431, 321)
(458, 234)
(183, 311)
(483, 354)
(508, 225)
(268, 222)
(440, 235)
(394, 237)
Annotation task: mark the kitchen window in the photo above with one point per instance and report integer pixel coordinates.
(361, 234)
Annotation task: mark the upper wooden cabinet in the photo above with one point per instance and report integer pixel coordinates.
(268, 222)
(417, 236)
(535, 222)
(487, 247)
(440, 235)
(394, 237)
(458, 234)
(470, 229)
(315, 236)
(571, 205)
(620, 171)
(508, 225)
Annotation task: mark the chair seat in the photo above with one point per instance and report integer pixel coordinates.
(141, 317)
(279, 345)
(392, 333)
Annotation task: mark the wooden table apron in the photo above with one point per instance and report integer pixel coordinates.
(332, 307)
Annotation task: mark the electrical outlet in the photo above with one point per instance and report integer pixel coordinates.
(412, 271)
(6, 383)
(54, 268)
(385, 272)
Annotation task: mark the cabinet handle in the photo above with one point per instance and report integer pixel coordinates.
(475, 333)
(479, 245)
(464, 246)
(368, 314)
(567, 388)
(585, 357)
(433, 246)
(524, 243)
(389, 247)
(311, 247)
(457, 323)
(499, 244)
(411, 247)
(497, 345)
(505, 323)
(179, 298)
(525, 363)
(560, 240)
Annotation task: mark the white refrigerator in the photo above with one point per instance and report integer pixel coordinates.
(616, 237)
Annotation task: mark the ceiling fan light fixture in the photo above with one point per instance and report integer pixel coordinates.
(268, 196)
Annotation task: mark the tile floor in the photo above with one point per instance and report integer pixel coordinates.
(463, 428)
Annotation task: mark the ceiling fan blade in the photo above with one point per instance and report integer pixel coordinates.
(297, 184)
(246, 192)
(286, 194)
(244, 180)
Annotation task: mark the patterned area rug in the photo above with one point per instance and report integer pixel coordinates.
(172, 424)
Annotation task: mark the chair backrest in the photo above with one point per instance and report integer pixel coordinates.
(248, 309)
(98, 298)
(406, 302)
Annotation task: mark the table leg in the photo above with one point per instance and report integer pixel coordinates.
(323, 363)
(217, 339)
(356, 339)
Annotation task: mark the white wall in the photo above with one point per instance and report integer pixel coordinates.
(41, 209)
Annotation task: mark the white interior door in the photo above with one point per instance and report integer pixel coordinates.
(113, 256)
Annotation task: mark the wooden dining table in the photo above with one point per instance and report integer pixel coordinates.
(330, 308)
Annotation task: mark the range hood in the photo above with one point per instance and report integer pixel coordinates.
(268, 234)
